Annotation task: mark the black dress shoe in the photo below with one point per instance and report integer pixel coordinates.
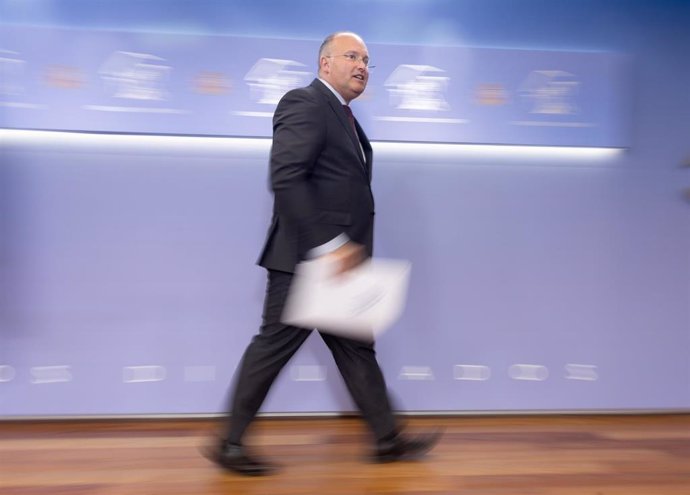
(235, 458)
(404, 448)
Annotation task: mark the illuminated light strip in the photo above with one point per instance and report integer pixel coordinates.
(552, 124)
(253, 114)
(15, 104)
(445, 151)
(133, 143)
(422, 119)
(402, 150)
(109, 108)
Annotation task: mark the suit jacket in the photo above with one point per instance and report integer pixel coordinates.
(320, 181)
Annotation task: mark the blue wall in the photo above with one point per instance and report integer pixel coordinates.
(116, 254)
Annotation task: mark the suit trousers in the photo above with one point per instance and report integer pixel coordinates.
(274, 345)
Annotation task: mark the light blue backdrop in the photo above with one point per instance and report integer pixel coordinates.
(540, 282)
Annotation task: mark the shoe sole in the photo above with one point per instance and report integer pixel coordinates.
(212, 455)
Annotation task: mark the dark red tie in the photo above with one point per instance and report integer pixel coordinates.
(351, 118)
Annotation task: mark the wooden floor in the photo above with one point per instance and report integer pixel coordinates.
(564, 455)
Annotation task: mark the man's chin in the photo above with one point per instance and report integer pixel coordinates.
(356, 92)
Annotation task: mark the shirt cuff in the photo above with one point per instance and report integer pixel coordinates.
(328, 247)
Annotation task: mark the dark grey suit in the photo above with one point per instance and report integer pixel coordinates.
(321, 183)
(320, 180)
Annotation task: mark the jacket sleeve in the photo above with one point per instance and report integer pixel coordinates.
(299, 134)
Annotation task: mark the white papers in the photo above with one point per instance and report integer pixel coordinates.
(360, 303)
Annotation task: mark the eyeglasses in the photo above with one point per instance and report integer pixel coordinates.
(354, 58)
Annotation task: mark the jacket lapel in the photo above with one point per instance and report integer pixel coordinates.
(337, 108)
(366, 147)
(345, 122)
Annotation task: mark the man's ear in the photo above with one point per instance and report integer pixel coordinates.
(324, 65)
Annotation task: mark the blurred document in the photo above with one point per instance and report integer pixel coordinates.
(359, 304)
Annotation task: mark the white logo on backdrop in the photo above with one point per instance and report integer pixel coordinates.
(534, 372)
(11, 73)
(270, 78)
(550, 92)
(418, 87)
(416, 373)
(135, 76)
(139, 374)
(472, 372)
(586, 372)
(308, 373)
(7, 373)
(13, 91)
(50, 374)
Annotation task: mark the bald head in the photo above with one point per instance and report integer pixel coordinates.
(327, 43)
(343, 60)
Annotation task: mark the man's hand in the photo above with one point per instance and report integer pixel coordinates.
(347, 256)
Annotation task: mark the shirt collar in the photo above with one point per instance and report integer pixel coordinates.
(337, 95)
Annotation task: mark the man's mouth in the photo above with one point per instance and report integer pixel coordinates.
(359, 76)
